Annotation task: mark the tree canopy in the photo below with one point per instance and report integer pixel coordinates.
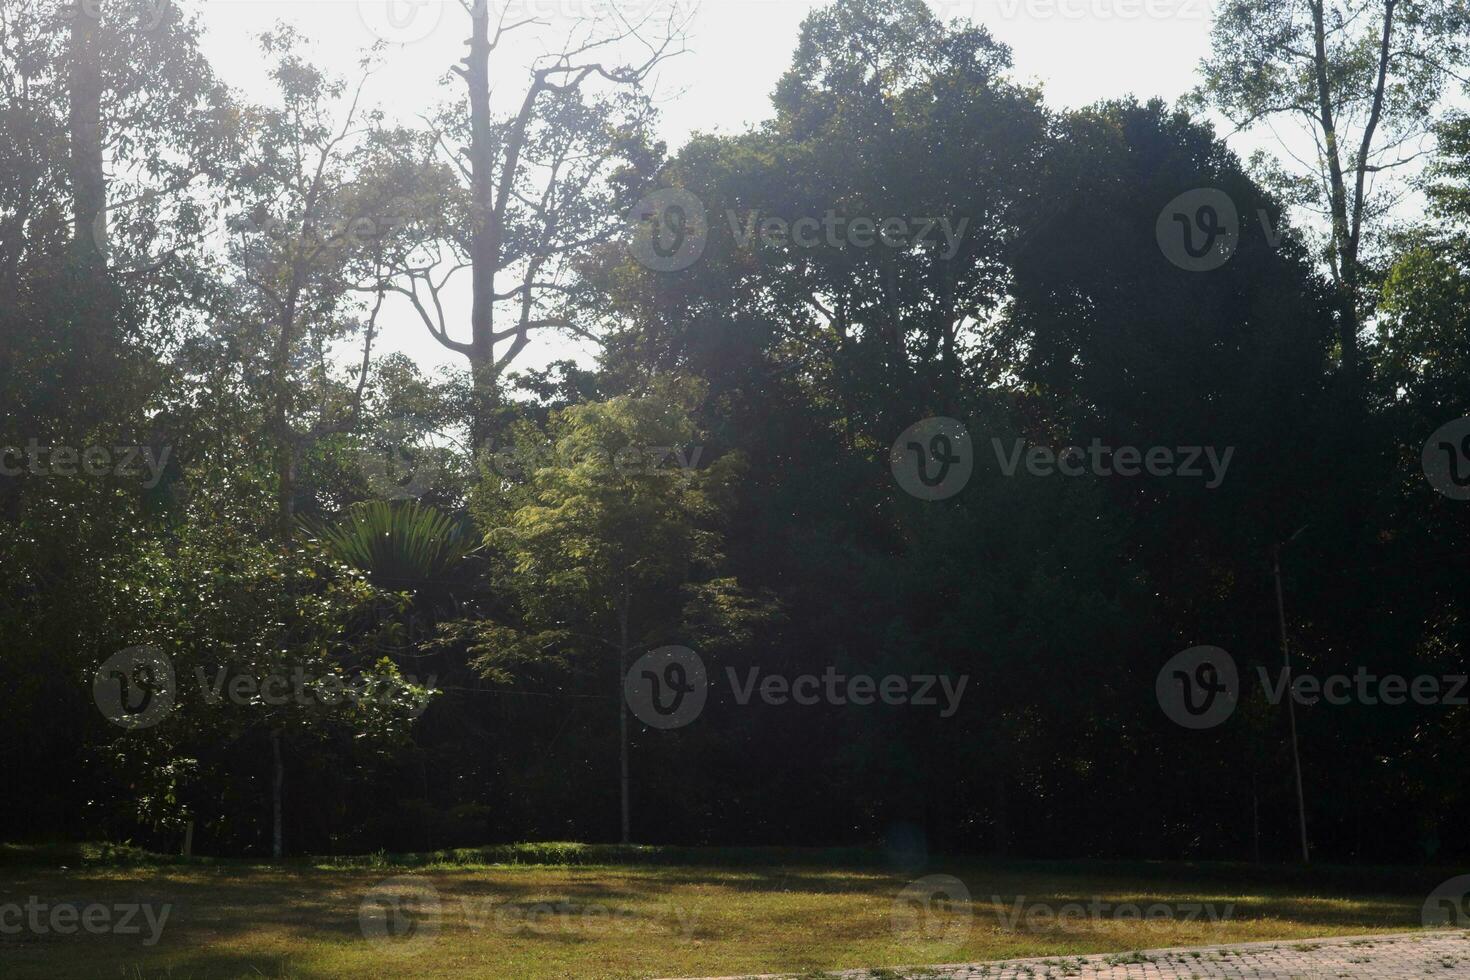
(386, 606)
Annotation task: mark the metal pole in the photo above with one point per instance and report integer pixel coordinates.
(1296, 757)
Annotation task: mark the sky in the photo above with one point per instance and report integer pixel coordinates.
(1079, 51)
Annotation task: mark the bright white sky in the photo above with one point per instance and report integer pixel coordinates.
(1080, 51)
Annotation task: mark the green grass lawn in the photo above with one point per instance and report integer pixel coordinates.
(544, 911)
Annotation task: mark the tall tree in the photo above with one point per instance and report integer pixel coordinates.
(540, 185)
(88, 183)
(894, 171)
(118, 90)
(608, 546)
(146, 119)
(304, 235)
(1365, 81)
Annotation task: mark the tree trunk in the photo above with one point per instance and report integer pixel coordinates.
(1344, 244)
(484, 404)
(285, 480)
(1002, 817)
(279, 776)
(623, 715)
(88, 181)
(484, 234)
(280, 424)
(1255, 821)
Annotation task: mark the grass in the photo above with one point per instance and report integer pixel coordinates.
(568, 910)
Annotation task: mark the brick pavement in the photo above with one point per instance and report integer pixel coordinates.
(1401, 956)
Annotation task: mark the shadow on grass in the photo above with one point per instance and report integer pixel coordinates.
(234, 919)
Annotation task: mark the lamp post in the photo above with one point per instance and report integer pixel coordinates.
(1296, 756)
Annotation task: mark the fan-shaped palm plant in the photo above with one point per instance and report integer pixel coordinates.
(397, 543)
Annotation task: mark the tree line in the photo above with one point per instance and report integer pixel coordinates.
(355, 604)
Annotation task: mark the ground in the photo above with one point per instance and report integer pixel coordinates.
(1406, 956)
(471, 914)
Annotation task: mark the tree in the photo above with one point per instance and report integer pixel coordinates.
(1424, 362)
(88, 183)
(99, 103)
(146, 118)
(306, 232)
(540, 186)
(121, 119)
(886, 115)
(605, 545)
(282, 650)
(1366, 80)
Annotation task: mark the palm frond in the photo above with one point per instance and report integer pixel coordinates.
(395, 542)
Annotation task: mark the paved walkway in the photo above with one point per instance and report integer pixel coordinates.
(1402, 956)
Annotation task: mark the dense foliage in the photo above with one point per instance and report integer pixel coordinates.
(484, 569)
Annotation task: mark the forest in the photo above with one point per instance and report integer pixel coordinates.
(924, 427)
